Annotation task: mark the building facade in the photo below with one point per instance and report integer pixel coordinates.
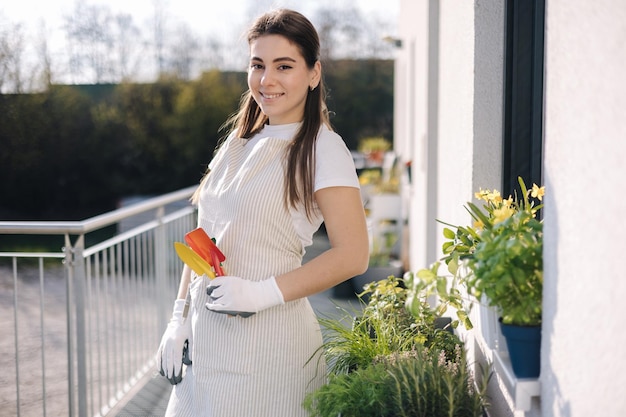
(457, 122)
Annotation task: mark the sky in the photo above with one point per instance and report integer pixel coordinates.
(223, 20)
(206, 17)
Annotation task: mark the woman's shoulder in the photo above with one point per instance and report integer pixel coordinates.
(330, 142)
(334, 164)
(326, 131)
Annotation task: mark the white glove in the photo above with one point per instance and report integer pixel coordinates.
(169, 357)
(237, 296)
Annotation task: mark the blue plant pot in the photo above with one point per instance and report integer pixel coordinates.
(524, 344)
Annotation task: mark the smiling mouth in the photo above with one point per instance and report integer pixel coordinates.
(271, 96)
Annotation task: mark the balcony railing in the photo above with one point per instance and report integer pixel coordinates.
(80, 326)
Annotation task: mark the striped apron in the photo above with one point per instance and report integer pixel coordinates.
(264, 365)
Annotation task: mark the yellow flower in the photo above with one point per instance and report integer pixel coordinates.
(495, 197)
(481, 194)
(538, 192)
(502, 213)
(479, 225)
(489, 196)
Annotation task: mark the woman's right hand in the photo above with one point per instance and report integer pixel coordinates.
(169, 357)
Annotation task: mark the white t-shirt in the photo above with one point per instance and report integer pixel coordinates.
(334, 167)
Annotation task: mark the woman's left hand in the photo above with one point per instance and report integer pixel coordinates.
(237, 296)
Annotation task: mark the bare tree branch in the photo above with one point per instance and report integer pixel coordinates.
(11, 49)
(90, 41)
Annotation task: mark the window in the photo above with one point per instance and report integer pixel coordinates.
(523, 93)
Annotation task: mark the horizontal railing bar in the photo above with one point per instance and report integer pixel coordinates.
(137, 231)
(32, 255)
(93, 223)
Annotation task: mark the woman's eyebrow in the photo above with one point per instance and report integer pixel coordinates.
(284, 58)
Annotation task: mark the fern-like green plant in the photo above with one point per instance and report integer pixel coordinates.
(419, 382)
(384, 327)
(347, 348)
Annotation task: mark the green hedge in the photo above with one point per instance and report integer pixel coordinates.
(73, 151)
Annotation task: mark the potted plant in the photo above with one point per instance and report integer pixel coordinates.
(413, 383)
(504, 254)
(374, 149)
(394, 360)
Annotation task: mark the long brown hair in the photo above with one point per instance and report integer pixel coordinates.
(250, 119)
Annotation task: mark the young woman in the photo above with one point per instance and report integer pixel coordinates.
(278, 175)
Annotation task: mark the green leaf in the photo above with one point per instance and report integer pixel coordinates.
(473, 233)
(408, 279)
(524, 191)
(426, 274)
(440, 310)
(448, 233)
(481, 216)
(466, 241)
(464, 318)
(453, 266)
(442, 287)
(413, 304)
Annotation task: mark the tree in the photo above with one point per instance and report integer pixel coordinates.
(49, 162)
(183, 52)
(361, 98)
(127, 50)
(90, 43)
(214, 55)
(45, 65)
(11, 49)
(201, 108)
(346, 34)
(159, 34)
(103, 47)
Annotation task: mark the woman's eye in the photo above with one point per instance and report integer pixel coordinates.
(284, 67)
(256, 66)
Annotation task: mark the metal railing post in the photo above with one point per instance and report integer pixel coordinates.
(16, 333)
(68, 262)
(77, 297)
(160, 262)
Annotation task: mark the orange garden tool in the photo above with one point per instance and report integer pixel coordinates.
(204, 246)
(204, 258)
(193, 260)
(201, 244)
(202, 255)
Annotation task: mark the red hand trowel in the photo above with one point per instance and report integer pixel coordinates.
(204, 246)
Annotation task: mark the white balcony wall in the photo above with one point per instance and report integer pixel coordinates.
(583, 369)
(448, 123)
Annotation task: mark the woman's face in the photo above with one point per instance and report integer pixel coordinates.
(279, 78)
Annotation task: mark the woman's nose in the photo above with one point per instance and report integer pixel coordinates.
(267, 78)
